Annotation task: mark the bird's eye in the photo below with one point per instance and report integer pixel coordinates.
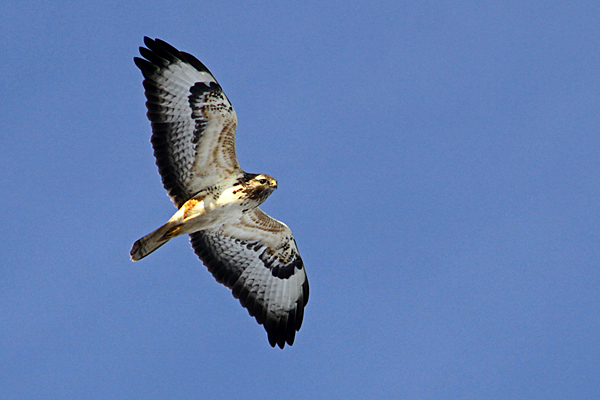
(262, 181)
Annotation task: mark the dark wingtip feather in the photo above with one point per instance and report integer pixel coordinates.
(158, 50)
(290, 328)
(162, 46)
(193, 61)
(272, 328)
(145, 66)
(153, 57)
(148, 42)
(282, 334)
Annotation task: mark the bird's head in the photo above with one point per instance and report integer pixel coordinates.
(259, 187)
(264, 181)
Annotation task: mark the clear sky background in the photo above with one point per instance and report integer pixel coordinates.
(438, 163)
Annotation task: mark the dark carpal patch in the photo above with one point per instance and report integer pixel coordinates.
(285, 271)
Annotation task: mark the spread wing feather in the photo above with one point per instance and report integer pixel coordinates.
(193, 122)
(258, 260)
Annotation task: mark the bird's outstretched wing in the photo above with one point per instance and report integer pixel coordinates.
(193, 122)
(258, 260)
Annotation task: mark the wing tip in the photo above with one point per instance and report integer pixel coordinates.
(148, 41)
(283, 330)
(157, 50)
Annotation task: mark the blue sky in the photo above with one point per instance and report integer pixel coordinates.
(438, 163)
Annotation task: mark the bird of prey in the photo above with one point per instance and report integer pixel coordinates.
(193, 137)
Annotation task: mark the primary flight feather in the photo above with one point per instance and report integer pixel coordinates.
(193, 136)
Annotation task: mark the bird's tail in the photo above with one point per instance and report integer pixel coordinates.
(153, 241)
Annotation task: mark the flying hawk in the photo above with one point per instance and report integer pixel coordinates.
(193, 136)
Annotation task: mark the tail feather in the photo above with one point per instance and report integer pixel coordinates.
(152, 241)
